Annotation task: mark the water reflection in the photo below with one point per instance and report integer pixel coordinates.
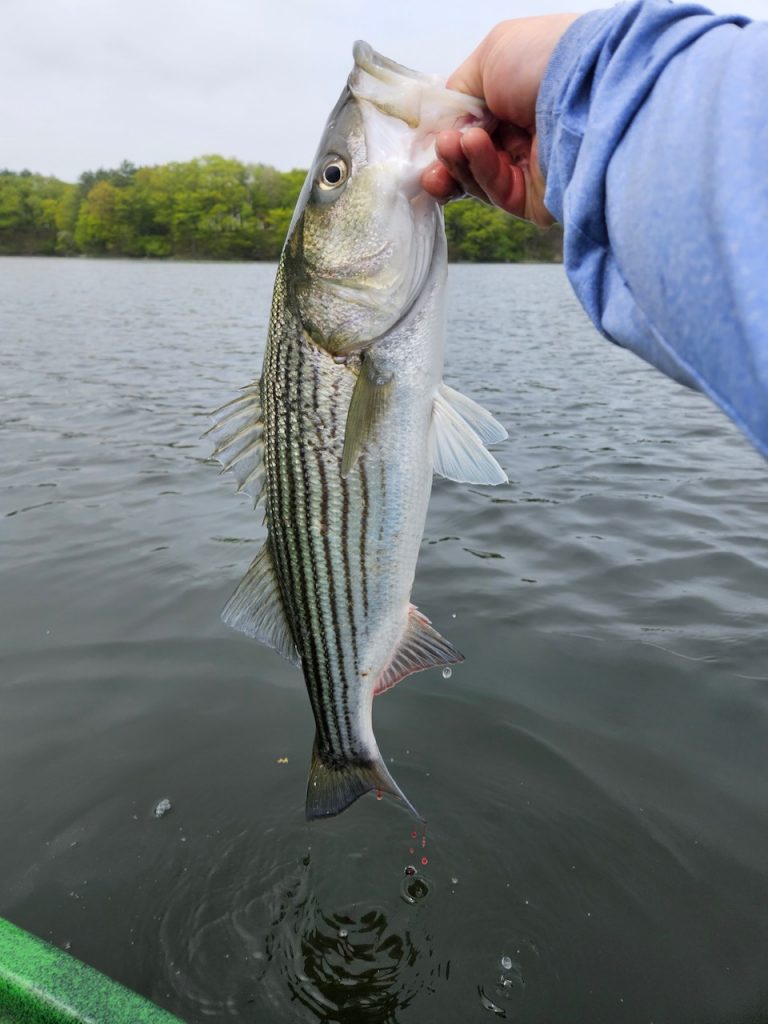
(360, 961)
(594, 774)
(350, 965)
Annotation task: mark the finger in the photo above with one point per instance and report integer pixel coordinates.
(450, 152)
(439, 182)
(494, 173)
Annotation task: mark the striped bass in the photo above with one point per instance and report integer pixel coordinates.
(340, 436)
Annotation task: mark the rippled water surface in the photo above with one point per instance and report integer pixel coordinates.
(594, 774)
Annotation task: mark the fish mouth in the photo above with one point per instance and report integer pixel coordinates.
(420, 100)
(384, 68)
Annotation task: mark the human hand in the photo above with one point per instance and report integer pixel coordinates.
(502, 168)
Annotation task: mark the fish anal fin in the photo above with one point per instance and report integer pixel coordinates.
(335, 782)
(459, 453)
(370, 399)
(421, 647)
(256, 607)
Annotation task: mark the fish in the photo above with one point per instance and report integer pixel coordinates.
(340, 436)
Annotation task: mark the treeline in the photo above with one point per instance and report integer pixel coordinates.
(209, 208)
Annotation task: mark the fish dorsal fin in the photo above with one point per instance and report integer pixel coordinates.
(256, 607)
(421, 647)
(369, 400)
(238, 430)
(488, 429)
(459, 453)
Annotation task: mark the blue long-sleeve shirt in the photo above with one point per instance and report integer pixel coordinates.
(653, 138)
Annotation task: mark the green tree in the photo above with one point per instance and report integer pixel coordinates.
(480, 233)
(211, 208)
(98, 225)
(30, 208)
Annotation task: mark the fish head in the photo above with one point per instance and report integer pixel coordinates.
(365, 234)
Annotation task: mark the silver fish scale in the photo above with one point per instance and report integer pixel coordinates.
(320, 524)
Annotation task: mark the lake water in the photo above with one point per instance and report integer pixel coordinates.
(594, 774)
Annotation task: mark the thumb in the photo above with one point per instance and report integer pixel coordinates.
(468, 76)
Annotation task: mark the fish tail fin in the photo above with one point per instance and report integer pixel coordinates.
(334, 784)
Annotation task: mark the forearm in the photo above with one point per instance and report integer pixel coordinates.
(653, 138)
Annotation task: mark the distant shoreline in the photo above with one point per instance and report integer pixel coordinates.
(212, 208)
(115, 257)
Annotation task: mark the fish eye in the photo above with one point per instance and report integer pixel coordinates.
(333, 174)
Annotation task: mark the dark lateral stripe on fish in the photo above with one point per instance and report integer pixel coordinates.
(276, 496)
(316, 634)
(277, 534)
(316, 570)
(288, 511)
(332, 626)
(345, 540)
(361, 462)
(326, 509)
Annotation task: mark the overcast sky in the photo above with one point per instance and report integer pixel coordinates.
(89, 83)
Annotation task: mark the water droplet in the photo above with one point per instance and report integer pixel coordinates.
(343, 933)
(447, 672)
(453, 615)
(161, 807)
(506, 962)
(410, 870)
(454, 880)
(414, 889)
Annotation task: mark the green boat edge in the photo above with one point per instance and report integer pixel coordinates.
(42, 984)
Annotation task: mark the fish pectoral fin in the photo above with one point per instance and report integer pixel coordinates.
(238, 430)
(459, 453)
(421, 647)
(335, 783)
(370, 399)
(256, 607)
(487, 428)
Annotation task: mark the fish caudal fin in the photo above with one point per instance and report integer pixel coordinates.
(334, 785)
